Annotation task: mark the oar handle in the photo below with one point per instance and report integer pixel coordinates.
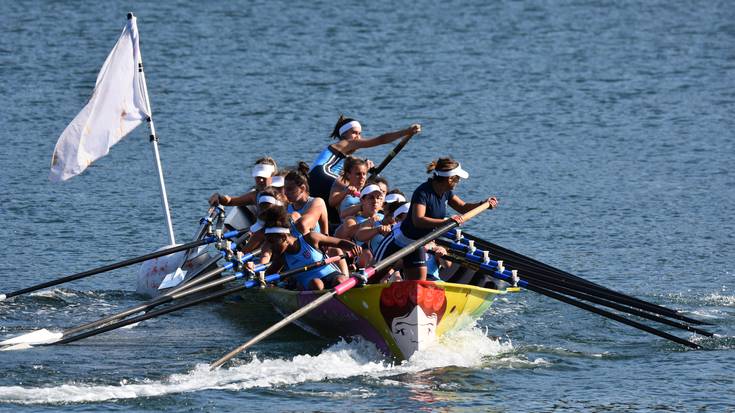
(392, 154)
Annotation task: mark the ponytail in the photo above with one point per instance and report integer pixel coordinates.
(340, 122)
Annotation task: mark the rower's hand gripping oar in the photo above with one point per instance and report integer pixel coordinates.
(131, 261)
(272, 278)
(392, 154)
(356, 279)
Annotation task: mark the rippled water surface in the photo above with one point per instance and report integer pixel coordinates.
(604, 127)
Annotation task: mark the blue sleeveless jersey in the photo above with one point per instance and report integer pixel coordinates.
(330, 161)
(305, 256)
(301, 210)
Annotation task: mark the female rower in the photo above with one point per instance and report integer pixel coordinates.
(329, 163)
(289, 252)
(367, 227)
(263, 172)
(427, 211)
(313, 211)
(345, 192)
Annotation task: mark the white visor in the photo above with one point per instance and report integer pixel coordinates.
(390, 198)
(277, 230)
(267, 199)
(403, 209)
(278, 182)
(350, 125)
(369, 190)
(458, 171)
(263, 170)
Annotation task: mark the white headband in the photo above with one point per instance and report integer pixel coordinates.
(458, 171)
(369, 190)
(278, 181)
(350, 125)
(403, 209)
(263, 170)
(277, 230)
(390, 198)
(267, 199)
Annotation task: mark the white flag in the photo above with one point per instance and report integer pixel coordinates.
(117, 106)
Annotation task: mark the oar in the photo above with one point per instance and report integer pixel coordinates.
(530, 265)
(348, 284)
(177, 276)
(486, 269)
(45, 336)
(583, 292)
(131, 261)
(573, 284)
(376, 170)
(272, 278)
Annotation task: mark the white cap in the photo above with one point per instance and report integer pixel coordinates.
(369, 190)
(263, 170)
(390, 198)
(403, 209)
(277, 230)
(278, 182)
(458, 171)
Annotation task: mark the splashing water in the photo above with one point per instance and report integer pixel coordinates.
(467, 348)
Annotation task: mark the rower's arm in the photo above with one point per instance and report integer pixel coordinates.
(276, 266)
(463, 207)
(337, 194)
(311, 217)
(420, 220)
(318, 240)
(241, 200)
(350, 211)
(255, 241)
(350, 146)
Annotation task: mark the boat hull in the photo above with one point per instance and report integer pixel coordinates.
(400, 318)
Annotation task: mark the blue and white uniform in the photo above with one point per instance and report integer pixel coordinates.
(326, 169)
(303, 209)
(309, 255)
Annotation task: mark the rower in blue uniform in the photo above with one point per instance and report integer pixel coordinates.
(328, 165)
(427, 211)
(291, 252)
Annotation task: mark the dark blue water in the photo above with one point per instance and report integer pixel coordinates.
(604, 127)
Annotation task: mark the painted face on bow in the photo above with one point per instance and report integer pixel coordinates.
(414, 331)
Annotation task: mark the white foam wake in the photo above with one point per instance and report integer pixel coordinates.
(342, 360)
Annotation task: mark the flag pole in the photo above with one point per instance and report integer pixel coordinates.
(154, 144)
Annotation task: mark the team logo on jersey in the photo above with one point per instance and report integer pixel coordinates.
(307, 255)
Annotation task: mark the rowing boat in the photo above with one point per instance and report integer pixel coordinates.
(400, 318)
